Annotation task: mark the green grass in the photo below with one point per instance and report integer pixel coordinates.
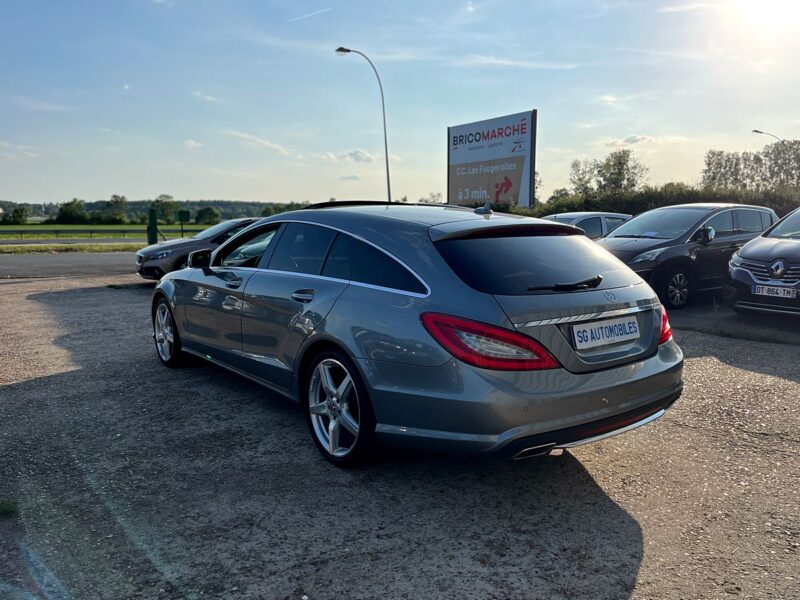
(8, 508)
(59, 248)
(45, 232)
(132, 227)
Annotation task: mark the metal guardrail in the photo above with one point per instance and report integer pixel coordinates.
(104, 232)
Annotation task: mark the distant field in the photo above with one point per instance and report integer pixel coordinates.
(59, 248)
(91, 231)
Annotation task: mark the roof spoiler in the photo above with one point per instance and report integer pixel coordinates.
(345, 203)
(487, 229)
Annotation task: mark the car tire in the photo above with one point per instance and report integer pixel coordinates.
(676, 288)
(338, 409)
(165, 335)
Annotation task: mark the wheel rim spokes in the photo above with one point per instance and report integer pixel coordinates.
(678, 289)
(163, 332)
(334, 407)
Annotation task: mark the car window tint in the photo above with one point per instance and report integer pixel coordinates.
(513, 265)
(722, 223)
(749, 221)
(593, 227)
(302, 249)
(370, 265)
(248, 253)
(338, 262)
(229, 234)
(614, 222)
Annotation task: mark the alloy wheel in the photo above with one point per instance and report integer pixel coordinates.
(678, 289)
(333, 404)
(164, 332)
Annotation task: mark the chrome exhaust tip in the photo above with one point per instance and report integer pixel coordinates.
(534, 451)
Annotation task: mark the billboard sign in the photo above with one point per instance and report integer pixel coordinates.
(492, 161)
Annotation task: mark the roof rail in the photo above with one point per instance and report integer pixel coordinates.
(346, 203)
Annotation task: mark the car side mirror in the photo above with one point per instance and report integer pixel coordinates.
(200, 259)
(705, 235)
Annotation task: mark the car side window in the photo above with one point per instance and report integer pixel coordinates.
(374, 267)
(722, 224)
(231, 232)
(337, 265)
(766, 219)
(248, 252)
(592, 226)
(302, 249)
(613, 222)
(749, 221)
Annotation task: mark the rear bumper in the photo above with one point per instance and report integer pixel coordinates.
(459, 408)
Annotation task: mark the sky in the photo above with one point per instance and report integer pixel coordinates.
(247, 100)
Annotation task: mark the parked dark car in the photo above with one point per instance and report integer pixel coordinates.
(683, 249)
(154, 261)
(766, 271)
(426, 325)
(594, 224)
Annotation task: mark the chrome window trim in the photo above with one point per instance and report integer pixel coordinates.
(591, 316)
(345, 281)
(358, 283)
(733, 216)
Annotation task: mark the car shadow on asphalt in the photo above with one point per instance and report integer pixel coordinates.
(135, 480)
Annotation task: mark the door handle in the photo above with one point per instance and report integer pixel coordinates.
(303, 295)
(233, 283)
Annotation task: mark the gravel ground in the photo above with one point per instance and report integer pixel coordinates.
(135, 481)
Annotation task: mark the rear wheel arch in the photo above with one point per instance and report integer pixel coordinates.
(306, 357)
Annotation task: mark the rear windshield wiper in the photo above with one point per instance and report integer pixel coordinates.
(583, 284)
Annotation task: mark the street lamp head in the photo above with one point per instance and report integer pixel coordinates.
(757, 131)
(341, 51)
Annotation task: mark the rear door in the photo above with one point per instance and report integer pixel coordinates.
(213, 298)
(615, 322)
(287, 300)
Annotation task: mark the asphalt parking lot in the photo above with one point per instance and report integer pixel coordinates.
(135, 481)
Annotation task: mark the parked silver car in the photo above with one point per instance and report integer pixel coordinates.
(427, 325)
(594, 224)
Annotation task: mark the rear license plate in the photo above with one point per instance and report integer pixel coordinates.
(602, 333)
(774, 291)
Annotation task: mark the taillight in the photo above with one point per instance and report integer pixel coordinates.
(666, 328)
(487, 346)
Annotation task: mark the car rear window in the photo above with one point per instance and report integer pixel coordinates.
(512, 265)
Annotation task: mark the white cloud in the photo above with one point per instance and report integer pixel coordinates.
(360, 156)
(482, 60)
(40, 105)
(645, 140)
(684, 7)
(205, 97)
(9, 151)
(126, 87)
(309, 15)
(257, 142)
(192, 144)
(349, 177)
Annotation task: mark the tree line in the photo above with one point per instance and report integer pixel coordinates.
(615, 183)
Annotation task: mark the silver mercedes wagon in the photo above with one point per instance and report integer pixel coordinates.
(428, 325)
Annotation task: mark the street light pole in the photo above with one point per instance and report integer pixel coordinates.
(767, 133)
(342, 51)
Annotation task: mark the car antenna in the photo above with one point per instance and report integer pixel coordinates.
(486, 209)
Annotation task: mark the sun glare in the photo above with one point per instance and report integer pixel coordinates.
(768, 14)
